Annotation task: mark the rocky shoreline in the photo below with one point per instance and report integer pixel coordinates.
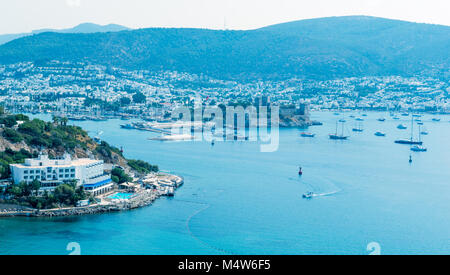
(140, 200)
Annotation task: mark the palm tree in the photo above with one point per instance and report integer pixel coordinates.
(64, 121)
(56, 120)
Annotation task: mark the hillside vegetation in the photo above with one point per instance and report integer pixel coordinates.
(57, 138)
(320, 48)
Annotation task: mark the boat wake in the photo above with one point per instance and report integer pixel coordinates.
(325, 194)
(319, 188)
(188, 227)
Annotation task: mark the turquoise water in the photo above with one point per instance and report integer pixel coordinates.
(237, 200)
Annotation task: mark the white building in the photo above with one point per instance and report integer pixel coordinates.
(53, 172)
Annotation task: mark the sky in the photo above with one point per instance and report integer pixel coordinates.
(18, 16)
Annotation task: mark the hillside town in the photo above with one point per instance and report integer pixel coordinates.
(83, 91)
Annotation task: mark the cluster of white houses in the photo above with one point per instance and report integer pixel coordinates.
(88, 173)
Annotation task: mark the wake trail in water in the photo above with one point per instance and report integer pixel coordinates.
(319, 187)
(188, 227)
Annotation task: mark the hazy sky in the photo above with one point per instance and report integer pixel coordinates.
(26, 15)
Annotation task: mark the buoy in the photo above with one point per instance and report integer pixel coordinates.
(300, 171)
(410, 159)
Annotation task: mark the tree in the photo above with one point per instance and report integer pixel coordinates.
(12, 135)
(139, 98)
(65, 194)
(64, 121)
(56, 120)
(35, 186)
(121, 175)
(125, 101)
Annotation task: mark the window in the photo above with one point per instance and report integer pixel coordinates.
(67, 170)
(72, 170)
(26, 177)
(32, 172)
(72, 176)
(25, 172)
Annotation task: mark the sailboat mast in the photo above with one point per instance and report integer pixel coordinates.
(420, 134)
(412, 126)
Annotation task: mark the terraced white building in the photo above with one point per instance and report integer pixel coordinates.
(54, 172)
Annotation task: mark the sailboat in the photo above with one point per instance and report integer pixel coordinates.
(337, 136)
(410, 141)
(418, 148)
(358, 128)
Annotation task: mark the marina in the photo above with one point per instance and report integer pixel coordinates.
(378, 174)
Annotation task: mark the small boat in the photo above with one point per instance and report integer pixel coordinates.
(308, 195)
(417, 115)
(127, 126)
(342, 121)
(337, 114)
(380, 134)
(308, 135)
(420, 123)
(402, 127)
(396, 118)
(364, 115)
(424, 133)
(418, 148)
(405, 114)
(337, 137)
(359, 119)
(408, 142)
(436, 119)
(381, 119)
(359, 130)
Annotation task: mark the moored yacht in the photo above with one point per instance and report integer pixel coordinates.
(418, 148)
(336, 136)
(308, 135)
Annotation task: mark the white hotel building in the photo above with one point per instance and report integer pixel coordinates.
(53, 172)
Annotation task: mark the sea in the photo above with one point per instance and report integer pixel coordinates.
(237, 200)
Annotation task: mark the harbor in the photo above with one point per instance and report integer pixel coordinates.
(233, 187)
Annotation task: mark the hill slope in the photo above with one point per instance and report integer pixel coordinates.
(320, 48)
(82, 28)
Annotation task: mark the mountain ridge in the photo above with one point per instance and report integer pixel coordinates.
(80, 28)
(331, 47)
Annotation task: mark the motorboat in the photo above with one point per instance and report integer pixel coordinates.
(418, 148)
(308, 135)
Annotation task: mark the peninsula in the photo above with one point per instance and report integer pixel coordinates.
(52, 169)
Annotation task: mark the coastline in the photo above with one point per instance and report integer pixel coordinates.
(142, 199)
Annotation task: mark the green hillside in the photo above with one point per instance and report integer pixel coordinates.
(319, 48)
